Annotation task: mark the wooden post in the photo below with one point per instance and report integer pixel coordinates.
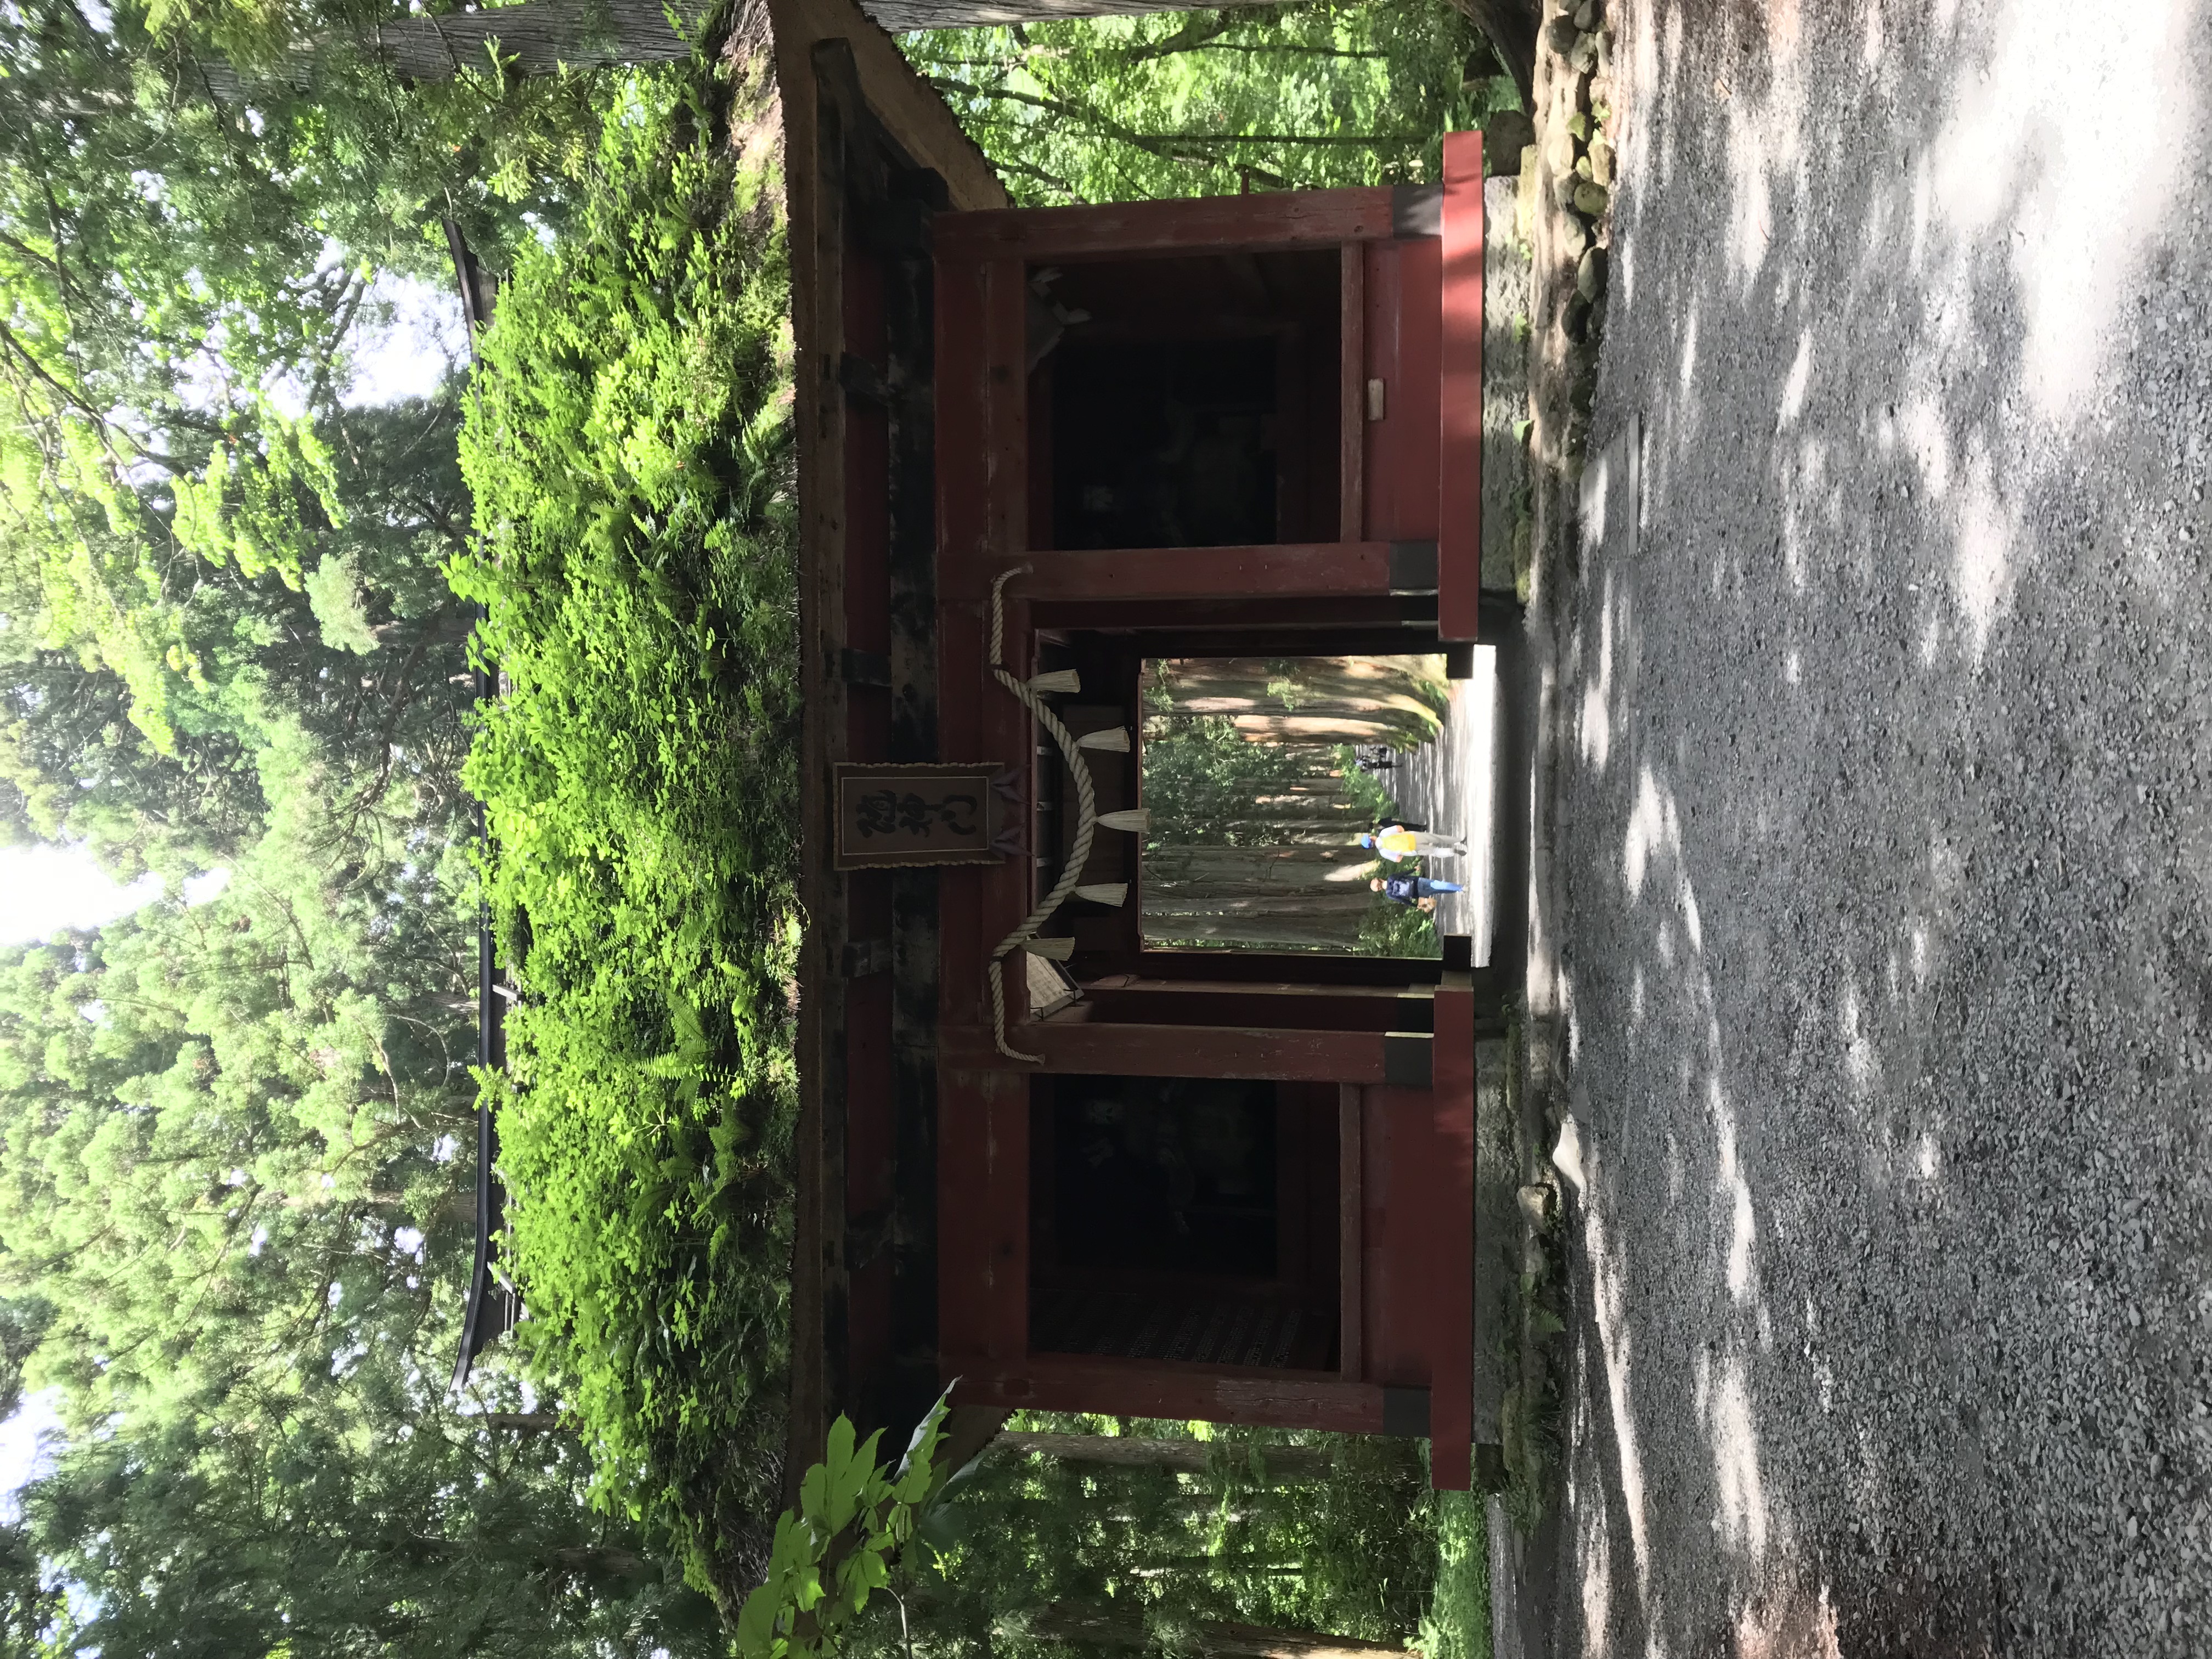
(1352, 393)
(1459, 442)
(1352, 1346)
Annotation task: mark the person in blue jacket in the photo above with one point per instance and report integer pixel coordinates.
(1419, 891)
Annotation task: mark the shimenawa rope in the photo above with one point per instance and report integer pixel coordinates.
(1086, 820)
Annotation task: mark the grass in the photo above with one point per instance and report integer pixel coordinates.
(1352, 1554)
(1458, 1622)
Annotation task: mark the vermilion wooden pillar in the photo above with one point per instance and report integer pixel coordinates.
(1408, 420)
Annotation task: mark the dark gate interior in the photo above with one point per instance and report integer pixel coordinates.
(1188, 401)
(1185, 1218)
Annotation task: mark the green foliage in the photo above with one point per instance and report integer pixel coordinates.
(1376, 804)
(238, 1237)
(1202, 777)
(237, 1233)
(1392, 929)
(854, 1515)
(1458, 1623)
(23, 1322)
(1212, 101)
(1022, 1538)
(327, 1527)
(185, 265)
(222, 1153)
(628, 453)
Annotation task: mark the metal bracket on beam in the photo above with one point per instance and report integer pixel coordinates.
(861, 382)
(1413, 567)
(1409, 1060)
(864, 956)
(1417, 210)
(865, 668)
(1406, 1412)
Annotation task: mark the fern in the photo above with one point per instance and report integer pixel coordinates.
(628, 447)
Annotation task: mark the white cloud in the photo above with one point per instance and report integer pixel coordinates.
(413, 340)
(44, 888)
(199, 889)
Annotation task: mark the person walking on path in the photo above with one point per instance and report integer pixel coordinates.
(1419, 891)
(1394, 841)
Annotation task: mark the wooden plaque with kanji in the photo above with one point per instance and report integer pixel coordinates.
(913, 815)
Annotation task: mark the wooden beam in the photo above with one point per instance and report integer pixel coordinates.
(1107, 1049)
(1459, 508)
(1352, 392)
(1415, 611)
(1132, 1451)
(1381, 640)
(898, 16)
(1211, 225)
(1277, 1006)
(1006, 435)
(1451, 1283)
(983, 1210)
(1304, 967)
(910, 110)
(1352, 1346)
(1320, 571)
(1162, 1388)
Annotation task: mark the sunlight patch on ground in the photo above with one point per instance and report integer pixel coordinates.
(1860, 1064)
(1982, 571)
(1743, 1224)
(1617, 1349)
(1735, 1461)
(1594, 729)
(1799, 381)
(2072, 177)
(1648, 832)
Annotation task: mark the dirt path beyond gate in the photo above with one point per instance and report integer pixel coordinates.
(1878, 900)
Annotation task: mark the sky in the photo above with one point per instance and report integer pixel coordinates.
(414, 335)
(45, 888)
(19, 1448)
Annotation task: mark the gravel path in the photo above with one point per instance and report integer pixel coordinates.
(1448, 784)
(1884, 841)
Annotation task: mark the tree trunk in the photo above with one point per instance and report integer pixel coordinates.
(603, 1561)
(1510, 27)
(899, 15)
(521, 1422)
(535, 38)
(1180, 1457)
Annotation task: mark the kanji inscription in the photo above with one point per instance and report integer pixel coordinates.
(909, 815)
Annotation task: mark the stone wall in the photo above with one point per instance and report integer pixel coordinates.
(1506, 295)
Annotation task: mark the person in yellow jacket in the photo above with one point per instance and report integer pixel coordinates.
(1394, 841)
